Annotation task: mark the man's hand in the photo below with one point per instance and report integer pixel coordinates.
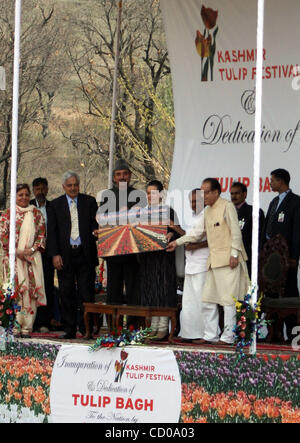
(98, 231)
(195, 246)
(233, 263)
(171, 246)
(58, 262)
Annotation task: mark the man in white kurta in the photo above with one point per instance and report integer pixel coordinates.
(227, 277)
(196, 254)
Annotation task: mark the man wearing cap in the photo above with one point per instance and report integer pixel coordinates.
(122, 269)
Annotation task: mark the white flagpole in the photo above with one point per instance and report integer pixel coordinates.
(14, 147)
(257, 157)
(115, 98)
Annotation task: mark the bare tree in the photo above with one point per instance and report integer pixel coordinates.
(144, 123)
(42, 69)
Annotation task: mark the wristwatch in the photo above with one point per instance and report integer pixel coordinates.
(235, 256)
(32, 249)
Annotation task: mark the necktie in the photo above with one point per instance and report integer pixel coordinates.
(273, 211)
(74, 220)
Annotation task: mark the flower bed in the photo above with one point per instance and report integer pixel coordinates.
(215, 387)
(25, 374)
(200, 407)
(221, 388)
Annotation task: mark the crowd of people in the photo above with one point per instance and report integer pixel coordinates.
(62, 235)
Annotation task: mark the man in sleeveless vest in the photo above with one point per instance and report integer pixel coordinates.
(227, 277)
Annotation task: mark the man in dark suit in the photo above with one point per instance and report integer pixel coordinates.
(245, 215)
(45, 314)
(72, 246)
(122, 270)
(283, 218)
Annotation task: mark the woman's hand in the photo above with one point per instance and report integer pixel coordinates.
(25, 254)
(169, 236)
(21, 255)
(29, 252)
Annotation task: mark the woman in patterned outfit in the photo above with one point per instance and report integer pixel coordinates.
(30, 241)
(158, 279)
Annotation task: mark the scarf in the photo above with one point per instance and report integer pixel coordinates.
(26, 241)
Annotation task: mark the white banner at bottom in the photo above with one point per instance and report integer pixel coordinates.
(131, 385)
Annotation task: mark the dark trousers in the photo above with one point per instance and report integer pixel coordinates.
(290, 290)
(122, 271)
(76, 286)
(46, 313)
(291, 287)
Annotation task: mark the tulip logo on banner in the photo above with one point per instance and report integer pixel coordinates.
(206, 43)
(120, 366)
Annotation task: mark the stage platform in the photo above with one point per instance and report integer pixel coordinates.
(262, 347)
(217, 386)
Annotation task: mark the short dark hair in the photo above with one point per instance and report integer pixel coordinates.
(194, 191)
(39, 181)
(22, 186)
(282, 174)
(240, 185)
(157, 184)
(214, 184)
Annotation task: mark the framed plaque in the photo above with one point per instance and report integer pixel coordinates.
(130, 239)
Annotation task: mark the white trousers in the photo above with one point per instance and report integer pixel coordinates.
(191, 316)
(211, 322)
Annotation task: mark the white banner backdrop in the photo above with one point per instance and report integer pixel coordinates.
(125, 386)
(213, 61)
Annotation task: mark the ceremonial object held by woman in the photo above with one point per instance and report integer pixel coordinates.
(30, 240)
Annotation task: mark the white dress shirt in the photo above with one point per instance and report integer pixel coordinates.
(196, 261)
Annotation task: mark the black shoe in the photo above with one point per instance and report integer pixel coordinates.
(67, 336)
(88, 337)
(25, 335)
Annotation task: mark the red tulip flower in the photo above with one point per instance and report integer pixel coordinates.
(209, 17)
(124, 355)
